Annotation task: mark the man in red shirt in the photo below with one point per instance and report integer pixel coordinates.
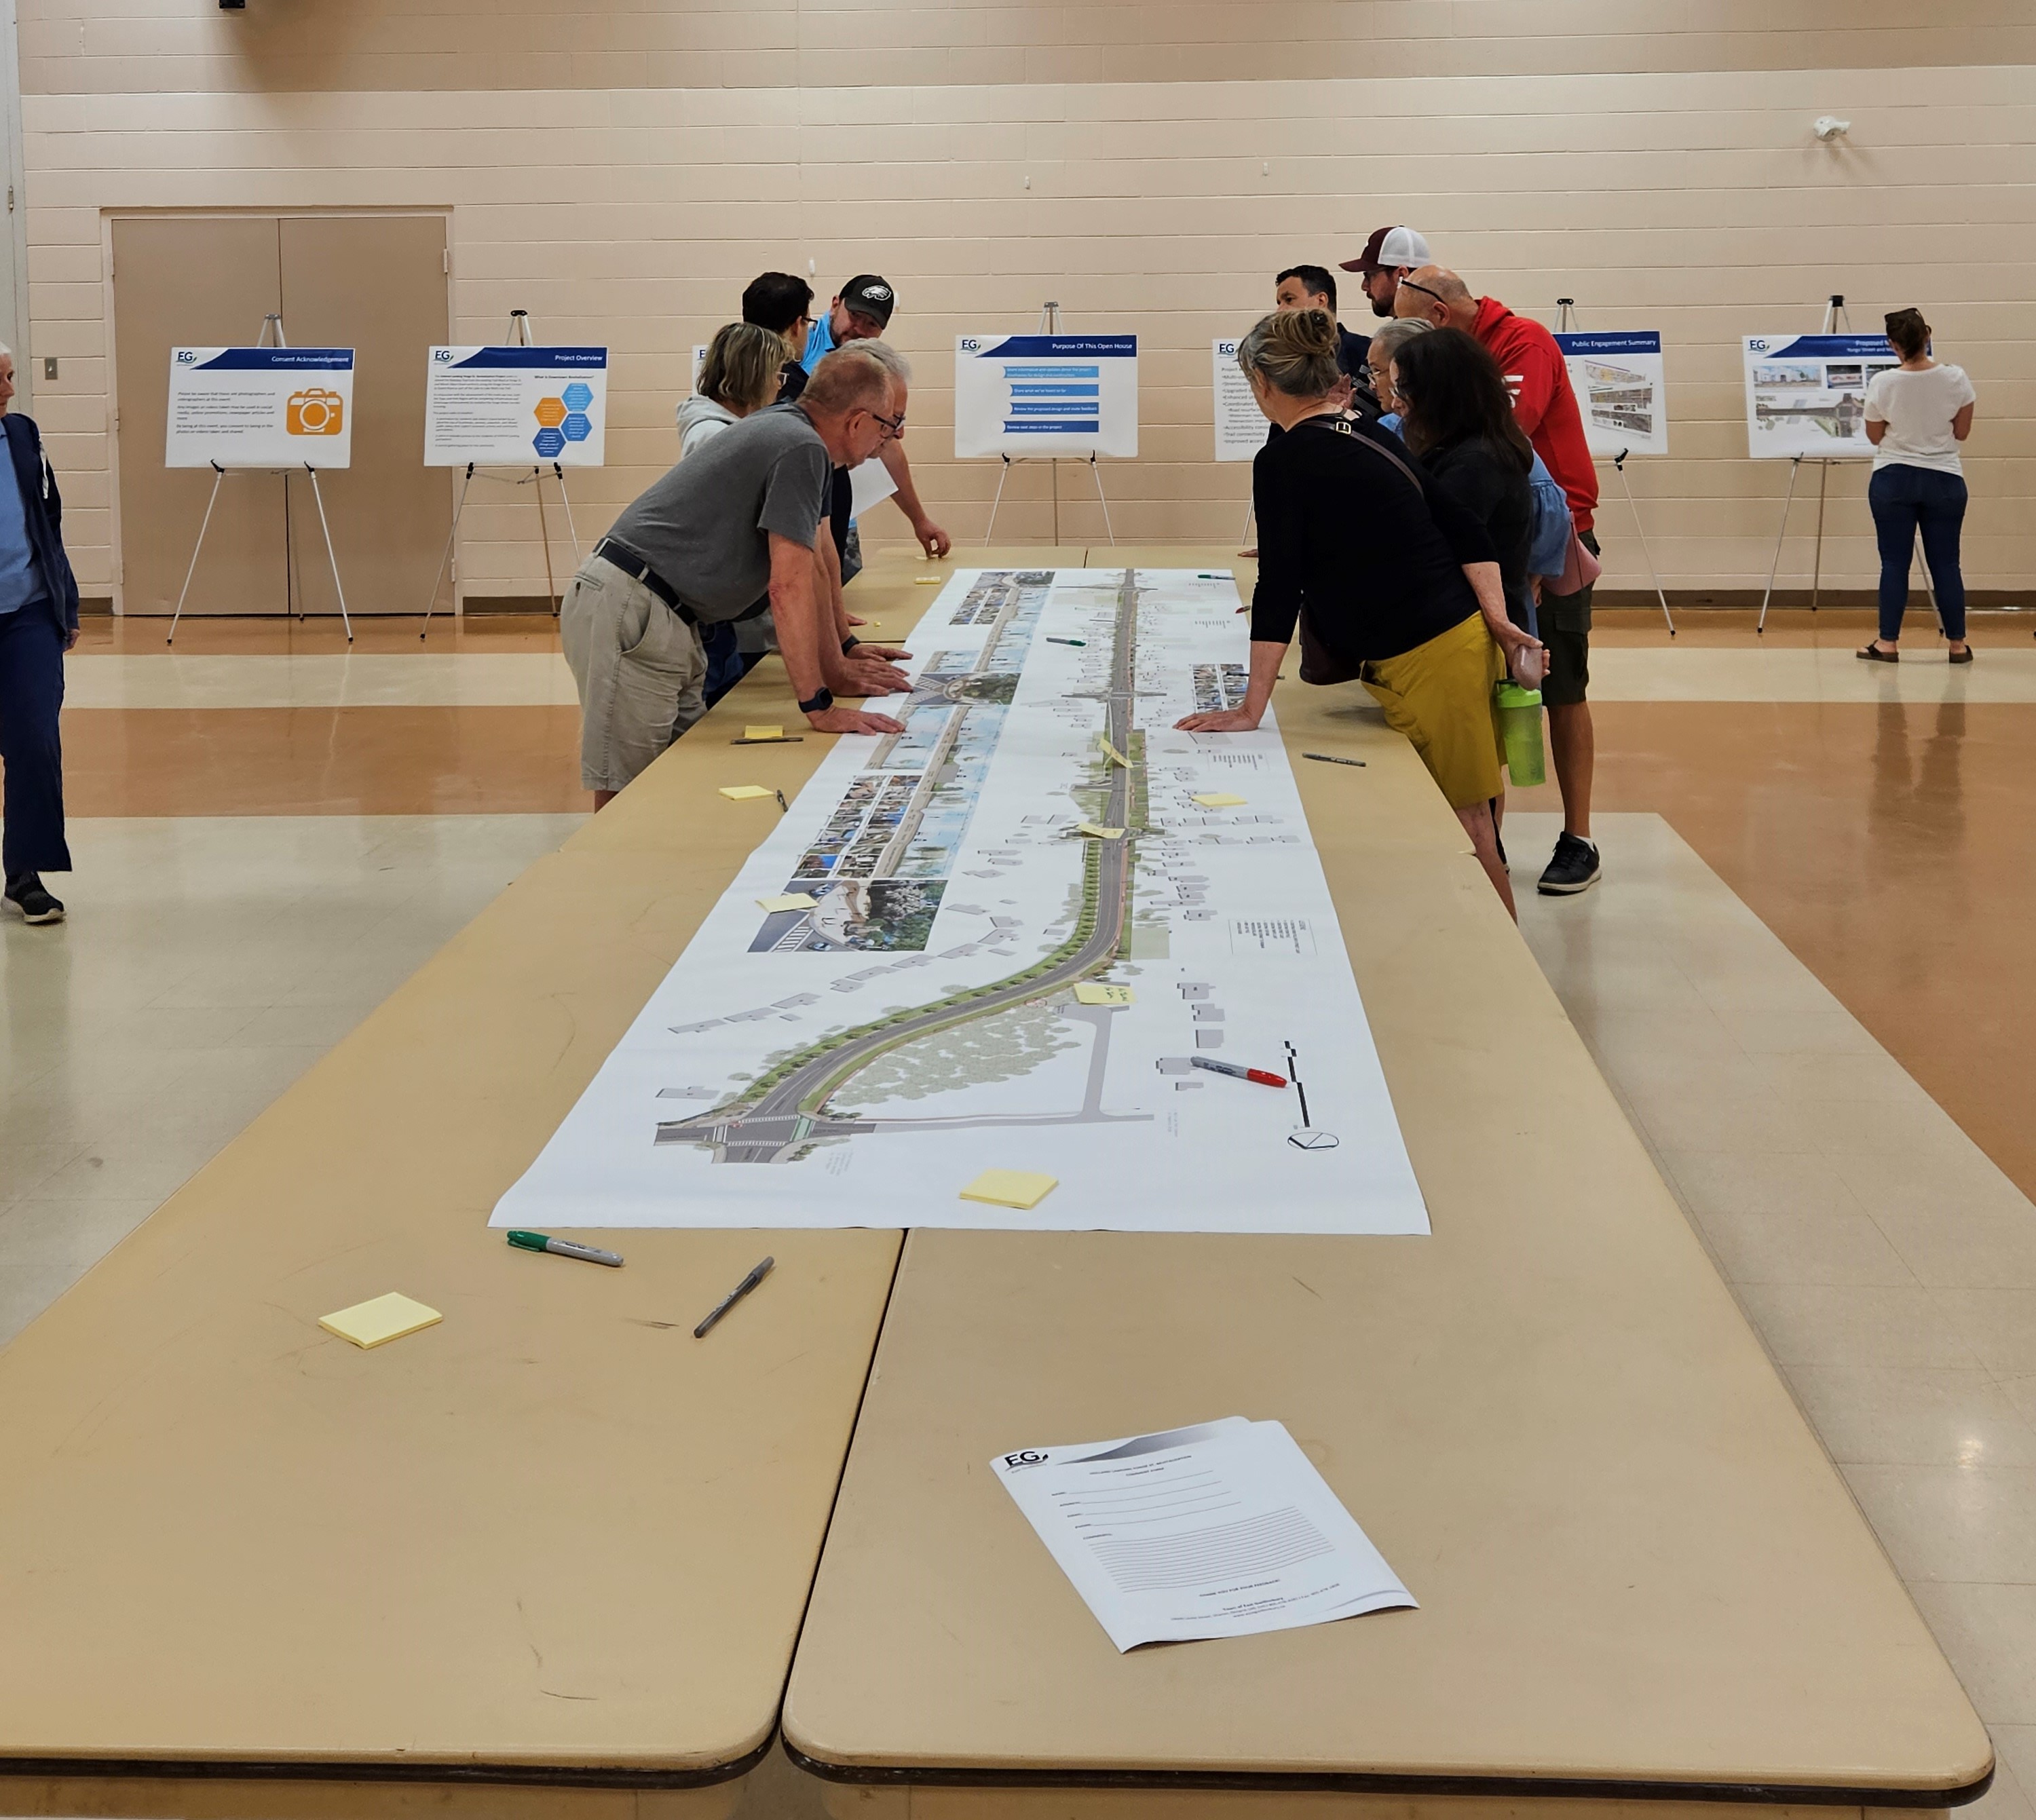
(1546, 406)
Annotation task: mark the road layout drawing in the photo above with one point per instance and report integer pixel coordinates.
(859, 1059)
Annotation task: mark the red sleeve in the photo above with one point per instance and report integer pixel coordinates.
(1538, 363)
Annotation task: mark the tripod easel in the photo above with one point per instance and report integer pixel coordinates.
(273, 322)
(1565, 321)
(519, 337)
(1835, 311)
(1049, 324)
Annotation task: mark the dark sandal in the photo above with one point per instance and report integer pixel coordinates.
(1963, 656)
(1874, 654)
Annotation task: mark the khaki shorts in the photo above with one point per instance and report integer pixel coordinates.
(1439, 695)
(639, 668)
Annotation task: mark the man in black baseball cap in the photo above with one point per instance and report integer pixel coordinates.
(860, 312)
(1388, 256)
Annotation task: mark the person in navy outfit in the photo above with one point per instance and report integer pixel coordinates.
(38, 624)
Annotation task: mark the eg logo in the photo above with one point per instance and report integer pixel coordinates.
(1032, 1456)
(1228, 349)
(970, 343)
(186, 356)
(1757, 343)
(441, 354)
(314, 411)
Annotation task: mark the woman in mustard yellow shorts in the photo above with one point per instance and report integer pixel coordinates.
(1387, 579)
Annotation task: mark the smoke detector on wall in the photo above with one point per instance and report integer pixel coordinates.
(1830, 128)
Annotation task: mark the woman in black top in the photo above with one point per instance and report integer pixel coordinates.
(1456, 417)
(1390, 579)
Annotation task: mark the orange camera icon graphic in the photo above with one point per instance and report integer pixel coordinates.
(314, 411)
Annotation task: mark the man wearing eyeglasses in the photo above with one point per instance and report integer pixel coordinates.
(1545, 406)
(862, 311)
(737, 518)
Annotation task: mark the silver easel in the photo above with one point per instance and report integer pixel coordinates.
(1049, 324)
(519, 337)
(1834, 311)
(272, 320)
(1565, 321)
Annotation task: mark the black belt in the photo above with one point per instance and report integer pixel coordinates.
(622, 557)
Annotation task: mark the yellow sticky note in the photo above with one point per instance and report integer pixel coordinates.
(1219, 799)
(1018, 1188)
(1110, 752)
(1100, 834)
(791, 901)
(385, 1318)
(763, 732)
(745, 792)
(1090, 993)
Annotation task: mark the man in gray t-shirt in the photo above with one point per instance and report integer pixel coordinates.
(737, 519)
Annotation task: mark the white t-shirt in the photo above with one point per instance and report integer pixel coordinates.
(1917, 409)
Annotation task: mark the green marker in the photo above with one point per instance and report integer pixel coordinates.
(565, 1248)
(1083, 642)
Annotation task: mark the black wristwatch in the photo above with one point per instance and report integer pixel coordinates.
(849, 644)
(818, 703)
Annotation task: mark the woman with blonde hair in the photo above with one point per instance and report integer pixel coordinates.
(1388, 580)
(1916, 415)
(738, 376)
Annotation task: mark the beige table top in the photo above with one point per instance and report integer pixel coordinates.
(1638, 1571)
(542, 1540)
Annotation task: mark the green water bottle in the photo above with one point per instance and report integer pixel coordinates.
(1520, 724)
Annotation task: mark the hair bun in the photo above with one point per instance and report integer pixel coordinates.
(1305, 333)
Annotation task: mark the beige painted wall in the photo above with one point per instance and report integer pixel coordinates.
(622, 169)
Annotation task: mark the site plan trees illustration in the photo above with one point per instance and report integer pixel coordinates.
(1033, 835)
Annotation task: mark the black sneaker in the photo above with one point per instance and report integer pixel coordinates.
(36, 905)
(1574, 868)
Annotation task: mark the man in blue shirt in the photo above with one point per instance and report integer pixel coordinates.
(861, 313)
(38, 624)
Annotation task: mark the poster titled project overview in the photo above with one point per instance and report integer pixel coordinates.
(1019, 395)
(1806, 394)
(260, 408)
(1617, 379)
(515, 407)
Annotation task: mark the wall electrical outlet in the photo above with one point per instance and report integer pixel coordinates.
(49, 366)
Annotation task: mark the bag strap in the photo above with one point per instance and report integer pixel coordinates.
(1342, 427)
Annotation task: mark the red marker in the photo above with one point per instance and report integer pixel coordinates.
(1257, 1074)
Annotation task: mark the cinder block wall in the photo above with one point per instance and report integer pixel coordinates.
(620, 168)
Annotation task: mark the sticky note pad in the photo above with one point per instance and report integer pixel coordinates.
(375, 1323)
(791, 901)
(1100, 834)
(1219, 799)
(1018, 1188)
(763, 732)
(745, 792)
(1090, 993)
(1110, 752)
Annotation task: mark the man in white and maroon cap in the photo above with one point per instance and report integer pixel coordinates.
(1388, 256)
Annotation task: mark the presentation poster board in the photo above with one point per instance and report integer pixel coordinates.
(515, 407)
(260, 408)
(1806, 394)
(1618, 385)
(1240, 425)
(1020, 395)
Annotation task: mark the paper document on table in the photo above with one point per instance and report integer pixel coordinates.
(1222, 1530)
(869, 484)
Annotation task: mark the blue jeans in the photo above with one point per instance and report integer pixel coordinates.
(1904, 499)
(32, 685)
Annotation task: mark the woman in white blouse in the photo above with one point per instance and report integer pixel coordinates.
(1916, 415)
